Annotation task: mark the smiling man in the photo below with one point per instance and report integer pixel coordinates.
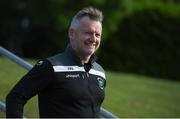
(69, 84)
(85, 35)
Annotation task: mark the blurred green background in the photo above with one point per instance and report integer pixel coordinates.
(140, 48)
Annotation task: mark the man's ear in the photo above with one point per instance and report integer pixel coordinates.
(71, 33)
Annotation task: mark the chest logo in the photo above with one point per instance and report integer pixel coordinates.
(101, 83)
(72, 76)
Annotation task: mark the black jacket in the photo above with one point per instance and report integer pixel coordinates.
(65, 86)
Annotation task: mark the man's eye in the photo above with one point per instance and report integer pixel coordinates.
(98, 35)
(87, 33)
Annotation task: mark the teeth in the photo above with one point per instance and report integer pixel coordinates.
(91, 44)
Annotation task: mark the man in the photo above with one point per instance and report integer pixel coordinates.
(70, 84)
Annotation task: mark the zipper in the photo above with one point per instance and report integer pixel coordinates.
(90, 95)
(87, 74)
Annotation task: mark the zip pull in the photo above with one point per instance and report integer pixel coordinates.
(82, 76)
(87, 74)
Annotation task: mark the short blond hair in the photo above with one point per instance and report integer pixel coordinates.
(91, 12)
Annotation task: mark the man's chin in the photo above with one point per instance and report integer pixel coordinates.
(89, 53)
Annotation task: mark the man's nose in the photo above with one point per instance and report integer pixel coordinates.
(93, 38)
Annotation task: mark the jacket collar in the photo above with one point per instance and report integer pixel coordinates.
(72, 54)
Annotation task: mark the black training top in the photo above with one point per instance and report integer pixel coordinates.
(65, 86)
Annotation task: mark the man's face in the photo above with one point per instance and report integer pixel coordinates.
(85, 39)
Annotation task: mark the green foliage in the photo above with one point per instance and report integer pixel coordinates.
(146, 41)
(127, 95)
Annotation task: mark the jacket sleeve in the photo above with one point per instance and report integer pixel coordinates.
(38, 78)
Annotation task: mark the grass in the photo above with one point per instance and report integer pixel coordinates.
(10, 73)
(2, 114)
(140, 96)
(127, 95)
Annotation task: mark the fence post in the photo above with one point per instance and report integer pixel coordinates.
(2, 106)
(15, 58)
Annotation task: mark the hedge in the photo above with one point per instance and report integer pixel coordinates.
(146, 42)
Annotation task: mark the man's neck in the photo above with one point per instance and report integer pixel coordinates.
(85, 59)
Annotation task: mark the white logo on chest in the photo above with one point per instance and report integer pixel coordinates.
(72, 76)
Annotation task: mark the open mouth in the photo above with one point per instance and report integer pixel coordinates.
(90, 44)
